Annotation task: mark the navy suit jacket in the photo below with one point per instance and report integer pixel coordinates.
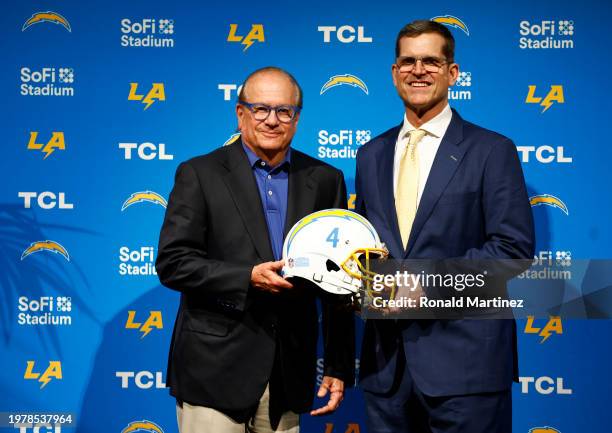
(474, 206)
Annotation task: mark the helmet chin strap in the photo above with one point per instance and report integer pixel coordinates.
(346, 283)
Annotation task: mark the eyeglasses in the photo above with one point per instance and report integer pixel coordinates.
(430, 63)
(284, 113)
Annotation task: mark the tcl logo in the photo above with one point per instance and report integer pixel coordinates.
(228, 90)
(142, 379)
(146, 151)
(45, 200)
(544, 385)
(344, 34)
(544, 154)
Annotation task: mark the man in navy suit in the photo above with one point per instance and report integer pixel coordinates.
(436, 187)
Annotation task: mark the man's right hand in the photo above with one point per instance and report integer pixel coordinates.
(265, 277)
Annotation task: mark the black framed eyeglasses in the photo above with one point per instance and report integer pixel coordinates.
(284, 113)
(430, 63)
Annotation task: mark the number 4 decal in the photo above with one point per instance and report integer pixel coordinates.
(333, 237)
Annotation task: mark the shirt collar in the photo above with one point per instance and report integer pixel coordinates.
(256, 162)
(436, 126)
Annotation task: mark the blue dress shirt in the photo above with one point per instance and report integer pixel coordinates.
(273, 186)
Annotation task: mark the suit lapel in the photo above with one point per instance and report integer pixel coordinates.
(385, 188)
(445, 164)
(301, 200)
(241, 183)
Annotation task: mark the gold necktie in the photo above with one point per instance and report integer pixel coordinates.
(408, 185)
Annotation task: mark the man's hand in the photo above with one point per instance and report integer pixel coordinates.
(265, 277)
(410, 292)
(399, 291)
(336, 394)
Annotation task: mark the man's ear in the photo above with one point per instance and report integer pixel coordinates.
(239, 115)
(394, 73)
(453, 73)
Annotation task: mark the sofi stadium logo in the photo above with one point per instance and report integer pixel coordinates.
(52, 372)
(48, 81)
(147, 32)
(341, 144)
(463, 87)
(153, 321)
(255, 34)
(44, 311)
(546, 34)
(549, 265)
(544, 385)
(140, 261)
(553, 258)
(144, 426)
(53, 143)
(46, 17)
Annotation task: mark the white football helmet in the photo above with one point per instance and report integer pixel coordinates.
(325, 247)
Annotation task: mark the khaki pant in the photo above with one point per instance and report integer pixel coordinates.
(199, 419)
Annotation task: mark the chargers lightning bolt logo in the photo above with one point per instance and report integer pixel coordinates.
(47, 245)
(46, 17)
(141, 196)
(233, 138)
(345, 79)
(143, 426)
(548, 200)
(544, 430)
(451, 21)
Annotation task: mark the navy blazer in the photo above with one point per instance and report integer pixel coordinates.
(474, 206)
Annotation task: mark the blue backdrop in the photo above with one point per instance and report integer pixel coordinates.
(102, 101)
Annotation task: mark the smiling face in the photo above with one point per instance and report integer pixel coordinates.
(425, 94)
(269, 139)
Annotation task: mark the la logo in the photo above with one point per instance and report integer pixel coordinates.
(153, 321)
(256, 34)
(55, 142)
(53, 371)
(555, 94)
(554, 325)
(156, 93)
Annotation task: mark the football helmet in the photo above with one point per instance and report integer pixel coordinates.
(328, 247)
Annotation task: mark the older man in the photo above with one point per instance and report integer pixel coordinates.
(243, 351)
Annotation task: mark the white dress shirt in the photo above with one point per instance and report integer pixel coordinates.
(426, 148)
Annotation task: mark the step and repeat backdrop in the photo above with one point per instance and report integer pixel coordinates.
(102, 100)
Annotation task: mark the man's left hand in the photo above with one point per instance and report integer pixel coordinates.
(335, 387)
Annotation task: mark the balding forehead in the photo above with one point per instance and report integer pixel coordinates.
(269, 75)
